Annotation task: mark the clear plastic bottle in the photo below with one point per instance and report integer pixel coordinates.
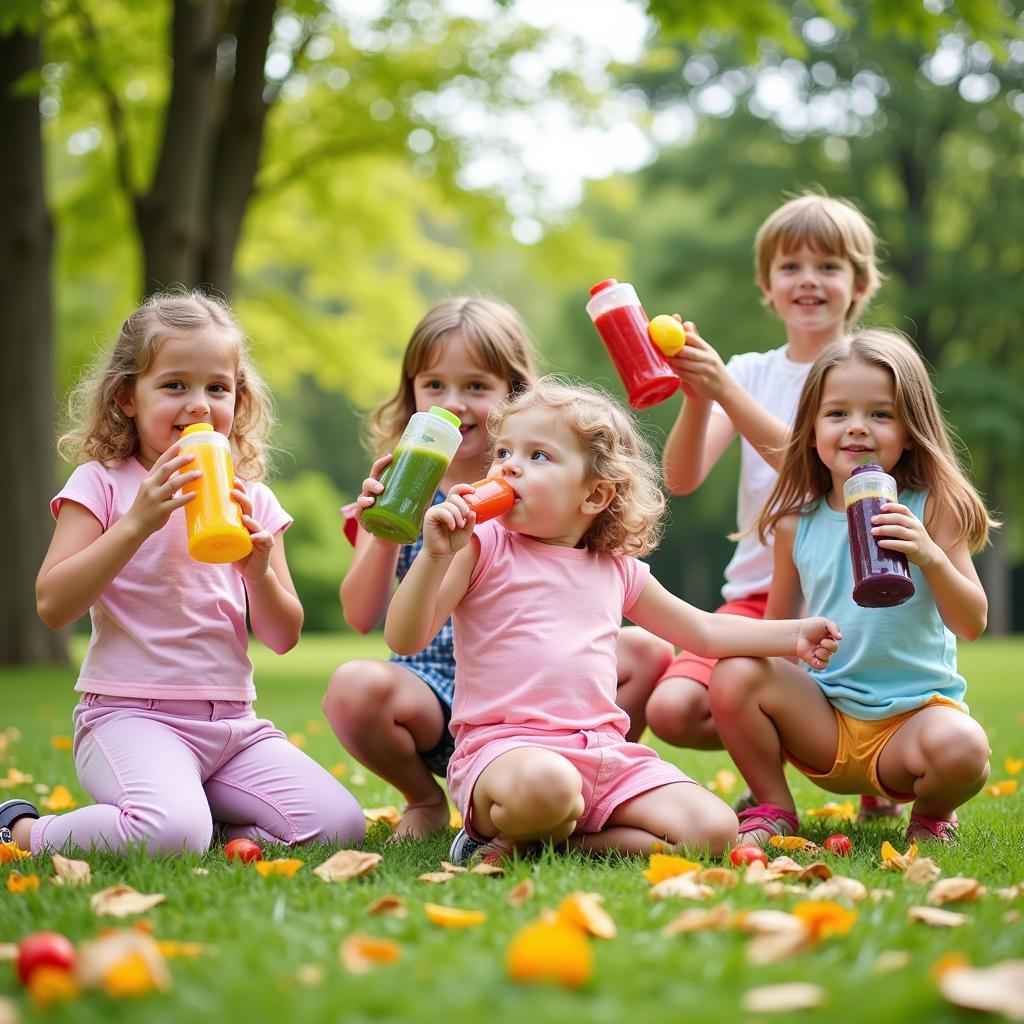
(621, 322)
(213, 518)
(418, 465)
(881, 578)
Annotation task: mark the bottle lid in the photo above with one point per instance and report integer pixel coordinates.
(601, 285)
(444, 414)
(867, 467)
(197, 428)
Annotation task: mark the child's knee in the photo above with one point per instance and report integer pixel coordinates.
(169, 832)
(959, 753)
(676, 705)
(546, 789)
(733, 680)
(340, 819)
(357, 689)
(711, 827)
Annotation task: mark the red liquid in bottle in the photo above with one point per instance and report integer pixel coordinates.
(881, 578)
(648, 379)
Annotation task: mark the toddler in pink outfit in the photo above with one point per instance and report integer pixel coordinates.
(537, 599)
(166, 740)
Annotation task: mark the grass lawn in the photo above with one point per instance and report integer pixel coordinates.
(258, 932)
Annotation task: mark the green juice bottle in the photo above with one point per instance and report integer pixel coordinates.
(420, 461)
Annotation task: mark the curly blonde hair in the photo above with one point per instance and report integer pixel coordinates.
(825, 225)
(615, 451)
(492, 330)
(931, 463)
(100, 430)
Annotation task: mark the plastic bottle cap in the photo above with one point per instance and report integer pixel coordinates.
(601, 285)
(197, 428)
(436, 410)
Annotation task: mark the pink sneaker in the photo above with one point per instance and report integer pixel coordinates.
(872, 807)
(925, 829)
(758, 824)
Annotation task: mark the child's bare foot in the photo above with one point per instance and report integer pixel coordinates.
(421, 820)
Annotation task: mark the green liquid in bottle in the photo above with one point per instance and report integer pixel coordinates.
(410, 483)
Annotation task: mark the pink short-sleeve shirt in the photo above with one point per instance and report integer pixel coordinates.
(167, 626)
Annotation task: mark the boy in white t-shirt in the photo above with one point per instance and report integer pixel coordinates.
(815, 262)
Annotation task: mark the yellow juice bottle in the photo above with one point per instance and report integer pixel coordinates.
(214, 520)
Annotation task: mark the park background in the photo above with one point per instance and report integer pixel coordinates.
(336, 168)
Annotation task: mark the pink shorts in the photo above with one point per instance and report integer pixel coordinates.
(693, 666)
(613, 770)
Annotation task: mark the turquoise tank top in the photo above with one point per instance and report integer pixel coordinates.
(890, 660)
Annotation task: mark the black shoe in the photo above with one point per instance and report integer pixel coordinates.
(12, 811)
(463, 847)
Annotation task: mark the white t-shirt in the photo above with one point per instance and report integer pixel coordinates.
(774, 381)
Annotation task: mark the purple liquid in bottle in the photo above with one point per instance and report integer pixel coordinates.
(881, 578)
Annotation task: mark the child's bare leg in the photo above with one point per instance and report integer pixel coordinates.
(641, 660)
(941, 756)
(679, 712)
(527, 794)
(762, 705)
(384, 716)
(21, 833)
(682, 814)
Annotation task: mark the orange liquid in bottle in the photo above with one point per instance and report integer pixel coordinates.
(213, 518)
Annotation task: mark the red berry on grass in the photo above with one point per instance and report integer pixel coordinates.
(244, 850)
(44, 949)
(839, 845)
(740, 855)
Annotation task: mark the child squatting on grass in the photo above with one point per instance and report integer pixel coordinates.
(466, 355)
(166, 740)
(537, 598)
(886, 715)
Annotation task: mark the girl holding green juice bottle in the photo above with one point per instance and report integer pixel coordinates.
(465, 356)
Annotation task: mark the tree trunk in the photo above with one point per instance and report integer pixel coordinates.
(26, 362)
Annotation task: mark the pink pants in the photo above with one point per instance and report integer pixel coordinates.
(163, 771)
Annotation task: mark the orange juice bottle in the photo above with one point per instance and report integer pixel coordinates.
(215, 530)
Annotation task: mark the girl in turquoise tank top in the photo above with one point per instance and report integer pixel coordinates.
(886, 717)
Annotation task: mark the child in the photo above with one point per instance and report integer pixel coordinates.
(466, 355)
(537, 598)
(166, 740)
(887, 715)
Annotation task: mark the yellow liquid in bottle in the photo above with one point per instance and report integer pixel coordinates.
(214, 520)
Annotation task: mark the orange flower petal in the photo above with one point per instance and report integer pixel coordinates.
(361, 953)
(665, 865)
(550, 951)
(49, 985)
(844, 810)
(825, 918)
(17, 883)
(10, 852)
(60, 799)
(282, 866)
(1007, 787)
(453, 917)
(1014, 765)
(584, 910)
(60, 742)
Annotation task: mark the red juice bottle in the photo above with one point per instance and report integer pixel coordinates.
(881, 578)
(622, 324)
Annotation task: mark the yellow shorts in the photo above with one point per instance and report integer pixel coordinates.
(860, 746)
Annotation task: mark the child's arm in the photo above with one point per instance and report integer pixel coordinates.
(944, 561)
(83, 558)
(722, 636)
(438, 578)
(785, 596)
(365, 592)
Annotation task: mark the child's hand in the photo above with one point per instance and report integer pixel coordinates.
(816, 641)
(372, 485)
(160, 492)
(256, 564)
(700, 368)
(448, 526)
(898, 529)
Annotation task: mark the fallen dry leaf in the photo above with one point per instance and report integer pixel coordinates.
(452, 869)
(995, 989)
(666, 865)
(819, 871)
(8, 951)
(550, 950)
(794, 995)
(825, 918)
(389, 815)
(681, 887)
(794, 843)
(783, 865)
(936, 917)
(347, 864)
(1011, 892)
(122, 962)
(584, 910)
(891, 960)
(697, 919)
(487, 869)
(1006, 787)
(520, 894)
(282, 866)
(840, 887)
(50, 985)
(360, 954)
(893, 860)
(435, 877)
(723, 877)
(9, 1011)
(845, 810)
(1010, 917)
(923, 871)
(123, 901)
(453, 917)
(70, 872)
(393, 906)
(955, 890)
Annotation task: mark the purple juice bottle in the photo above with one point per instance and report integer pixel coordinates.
(881, 578)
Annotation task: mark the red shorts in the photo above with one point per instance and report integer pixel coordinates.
(693, 666)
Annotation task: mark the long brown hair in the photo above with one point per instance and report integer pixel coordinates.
(931, 463)
(491, 329)
(100, 430)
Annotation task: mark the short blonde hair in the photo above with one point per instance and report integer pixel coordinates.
(492, 330)
(100, 430)
(615, 452)
(823, 224)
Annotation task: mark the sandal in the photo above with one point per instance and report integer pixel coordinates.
(12, 811)
(923, 828)
(758, 824)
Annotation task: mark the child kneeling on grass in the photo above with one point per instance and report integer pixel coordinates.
(537, 598)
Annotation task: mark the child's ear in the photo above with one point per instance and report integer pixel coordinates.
(599, 498)
(125, 398)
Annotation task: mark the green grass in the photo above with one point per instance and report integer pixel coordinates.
(262, 930)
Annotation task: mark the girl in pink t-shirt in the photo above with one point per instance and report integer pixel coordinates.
(537, 599)
(166, 740)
